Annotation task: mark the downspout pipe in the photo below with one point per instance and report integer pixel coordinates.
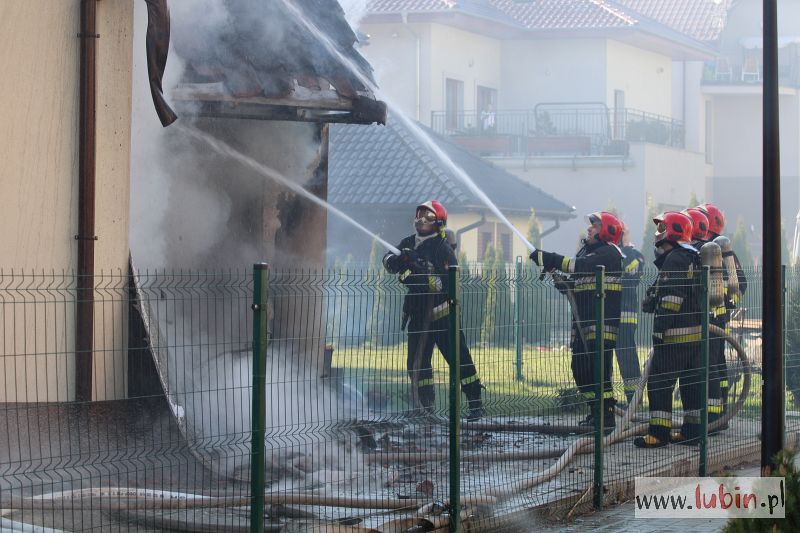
(469, 227)
(87, 149)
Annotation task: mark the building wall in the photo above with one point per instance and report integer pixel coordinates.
(646, 78)
(468, 57)
(392, 52)
(669, 175)
(470, 240)
(557, 70)
(39, 165)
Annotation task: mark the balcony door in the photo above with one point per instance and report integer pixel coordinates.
(486, 99)
(619, 114)
(453, 104)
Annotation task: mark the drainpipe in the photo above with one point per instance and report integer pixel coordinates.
(469, 227)
(550, 230)
(84, 319)
(404, 16)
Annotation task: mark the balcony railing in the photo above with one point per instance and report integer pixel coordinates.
(557, 129)
(749, 71)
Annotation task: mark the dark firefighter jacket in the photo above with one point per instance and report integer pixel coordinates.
(677, 305)
(632, 265)
(582, 282)
(424, 273)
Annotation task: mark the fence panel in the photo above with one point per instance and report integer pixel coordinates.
(357, 424)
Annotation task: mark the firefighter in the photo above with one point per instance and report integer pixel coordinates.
(599, 248)
(422, 268)
(676, 333)
(736, 285)
(627, 355)
(700, 236)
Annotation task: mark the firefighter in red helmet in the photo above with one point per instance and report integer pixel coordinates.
(735, 287)
(422, 267)
(599, 248)
(627, 354)
(674, 301)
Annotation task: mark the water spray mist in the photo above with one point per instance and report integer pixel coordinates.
(415, 129)
(226, 149)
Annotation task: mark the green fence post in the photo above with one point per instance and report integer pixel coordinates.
(599, 343)
(518, 338)
(453, 295)
(259, 407)
(704, 370)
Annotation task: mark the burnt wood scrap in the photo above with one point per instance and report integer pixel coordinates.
(264, 63)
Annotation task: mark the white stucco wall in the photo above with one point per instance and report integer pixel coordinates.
(468, 57)
(646, 78)
(39, 166)
(392, 52)
(563, 70)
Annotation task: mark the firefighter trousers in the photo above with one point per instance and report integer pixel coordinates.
(717, 375)
(421, 341)
(583, 359)
(627, 358)
(673, 363)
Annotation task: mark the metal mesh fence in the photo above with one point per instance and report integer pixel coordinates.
(357, 411)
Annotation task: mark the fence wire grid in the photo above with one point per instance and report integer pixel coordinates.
(357, 431)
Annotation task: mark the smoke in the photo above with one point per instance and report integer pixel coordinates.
(193, 208)
(354, 11)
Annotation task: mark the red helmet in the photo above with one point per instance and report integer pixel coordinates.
(674, 227)
(716, 220)
(437, 209)
(699, 223)
(610, 226)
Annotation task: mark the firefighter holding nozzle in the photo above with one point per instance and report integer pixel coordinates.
(674, 301)
(422, 267)
(599, 248)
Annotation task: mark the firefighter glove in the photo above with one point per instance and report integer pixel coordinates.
(547, 260)
(649, 302)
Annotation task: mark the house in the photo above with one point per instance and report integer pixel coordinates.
(378, 175)
(210, 215)
(731, 87)
(585, 94)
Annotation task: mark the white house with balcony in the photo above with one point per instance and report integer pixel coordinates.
(585, 99)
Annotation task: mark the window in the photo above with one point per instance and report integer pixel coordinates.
(619, 114)
(506, 246)
(485, 239)
(486, 100)
(709, 125)
(453, 104)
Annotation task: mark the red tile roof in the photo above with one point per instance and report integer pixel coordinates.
(565, 14)
(412, 6)
(700, 19)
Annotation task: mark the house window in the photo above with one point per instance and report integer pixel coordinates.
(485, 239)
(453, 104)
(506, 246)
(709, 125)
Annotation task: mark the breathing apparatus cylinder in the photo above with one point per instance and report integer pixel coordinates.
(730, 266)
(711, 256)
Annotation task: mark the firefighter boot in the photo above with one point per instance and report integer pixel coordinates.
(427, 397)
(474, 403)
(689, 434)
(609, 420)
(657, 437)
